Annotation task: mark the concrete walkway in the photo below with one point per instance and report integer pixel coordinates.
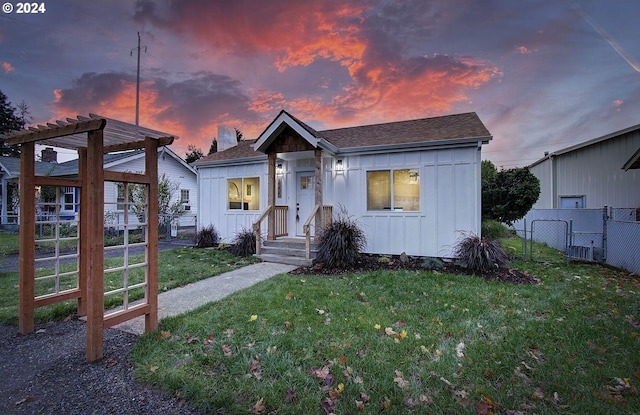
(183, 299)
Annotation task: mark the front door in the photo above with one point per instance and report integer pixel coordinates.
(305, 199)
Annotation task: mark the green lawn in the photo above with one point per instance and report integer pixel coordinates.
(176, 268)
(409, 342)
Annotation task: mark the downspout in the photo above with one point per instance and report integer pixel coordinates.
(554, 186)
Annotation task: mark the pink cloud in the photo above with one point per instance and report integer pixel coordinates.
(7, 67)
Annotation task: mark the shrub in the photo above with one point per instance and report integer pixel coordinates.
(341, 242)
(432, 263)
(206, 237)
(244, 243)
(492, 229)
(480, 254)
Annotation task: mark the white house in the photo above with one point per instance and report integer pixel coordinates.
(169, 164)
(593, 174)
(411, 185)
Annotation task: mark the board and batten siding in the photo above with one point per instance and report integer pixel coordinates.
(595, 172)
(213, 209)
(449, 201)
(173, 169)
(449, 198)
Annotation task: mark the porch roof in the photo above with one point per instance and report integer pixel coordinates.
(436, 131)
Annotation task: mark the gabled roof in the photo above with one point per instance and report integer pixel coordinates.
(591, 142)
(394, 136)
(70, 168)
(11, 166)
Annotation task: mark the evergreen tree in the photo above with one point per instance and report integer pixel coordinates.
(9, 121)
(193, 154)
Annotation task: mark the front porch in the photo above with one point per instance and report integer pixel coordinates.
(285, 248)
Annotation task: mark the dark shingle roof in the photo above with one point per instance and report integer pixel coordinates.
(448, 127)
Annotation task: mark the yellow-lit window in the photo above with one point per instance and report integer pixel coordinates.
(243, 193)
(400, 194)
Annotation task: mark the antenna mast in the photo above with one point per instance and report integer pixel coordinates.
(138, 81)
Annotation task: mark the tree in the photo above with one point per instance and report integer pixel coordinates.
(9, 121)
(214, 146)
(193, 154)
(507, 195)
(238, 135)
(167, 211)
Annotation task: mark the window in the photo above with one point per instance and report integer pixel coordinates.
(68, 198)
(243, 193)
(184, 196)
(400, 194)
(120, 196)
(571, 202)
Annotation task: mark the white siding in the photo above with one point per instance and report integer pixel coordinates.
(594, 171)
(212, 187)
(173, 169)
(449, 198)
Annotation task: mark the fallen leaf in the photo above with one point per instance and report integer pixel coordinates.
(165, 335)
(191, 339)
(254, 317)
(258, 408)
(291, 396)
(400, 381)
(226, 350)
(254, 368)
(360, 405)
(288, 296)
(377, 327)
(389, 331)
(342, 359)
(112, 362)
(385, 404)
(426, 400)
(27, 399)
(538, 394)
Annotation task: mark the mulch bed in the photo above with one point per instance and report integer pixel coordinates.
(371, 263)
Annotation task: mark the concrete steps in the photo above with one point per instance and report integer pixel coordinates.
(289, 251)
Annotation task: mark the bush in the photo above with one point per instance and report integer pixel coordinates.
(480, 255)
(244, 243)
(206, 237)
(341, 242)
(492, 229)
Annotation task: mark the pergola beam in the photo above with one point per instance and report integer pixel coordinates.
(53, 131)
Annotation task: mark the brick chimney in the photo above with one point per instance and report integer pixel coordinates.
(49, 155)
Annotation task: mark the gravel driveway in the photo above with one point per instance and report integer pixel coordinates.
(46, 372)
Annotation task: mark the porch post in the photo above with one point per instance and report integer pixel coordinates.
(271, 196)
(318, 191)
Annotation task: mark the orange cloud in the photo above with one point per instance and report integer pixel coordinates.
(7, 67)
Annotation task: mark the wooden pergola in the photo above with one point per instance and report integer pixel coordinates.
(91, 137)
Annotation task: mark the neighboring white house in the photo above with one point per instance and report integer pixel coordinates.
(593, 174)
(169, 164)
(9, 176)
(411, 185)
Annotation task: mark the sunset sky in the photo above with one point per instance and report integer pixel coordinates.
(541, 74)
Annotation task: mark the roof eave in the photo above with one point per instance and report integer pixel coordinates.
(421, 145)
(230, 162)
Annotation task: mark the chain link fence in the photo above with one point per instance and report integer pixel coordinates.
(607, 235)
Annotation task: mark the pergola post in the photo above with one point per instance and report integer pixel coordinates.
(151, 171)
(85, 219)
(27, 237)
(94, 240)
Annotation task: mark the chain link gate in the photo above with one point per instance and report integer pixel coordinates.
(548, 236)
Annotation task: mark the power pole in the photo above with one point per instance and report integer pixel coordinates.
(138, 81)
